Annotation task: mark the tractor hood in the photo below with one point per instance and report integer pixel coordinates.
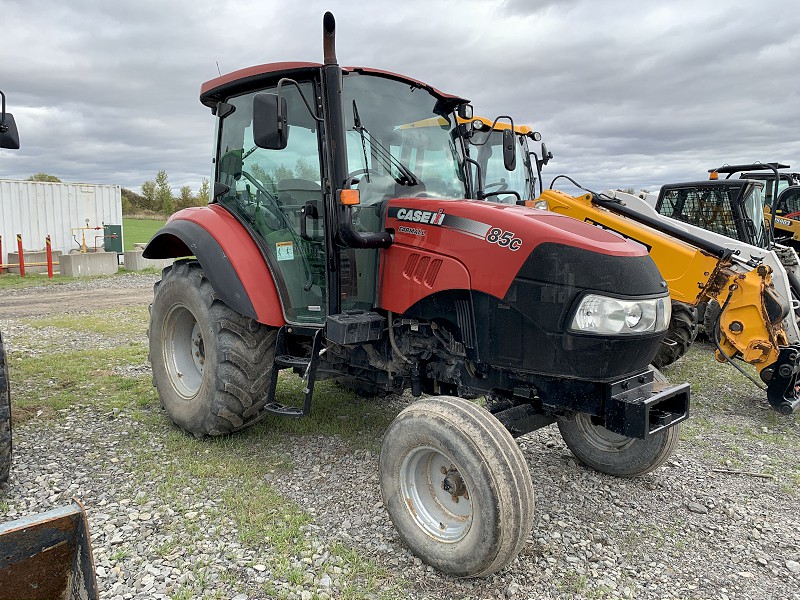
(494, 241)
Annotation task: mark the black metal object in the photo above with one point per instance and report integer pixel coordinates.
(9, 136)
(47, 556)
(638, 407)
(523, 418)
(285, 358)
(355, 327)
(782, 388)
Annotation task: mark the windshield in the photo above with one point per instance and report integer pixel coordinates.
(754, 208)
(400, 141)
(486, 147)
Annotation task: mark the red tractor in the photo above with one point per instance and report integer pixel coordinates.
(339, 244)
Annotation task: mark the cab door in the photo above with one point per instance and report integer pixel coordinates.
(278, 194)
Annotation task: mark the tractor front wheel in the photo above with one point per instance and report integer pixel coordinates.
(211, 365)
(5, 415)
(615, 454)
(456, 486)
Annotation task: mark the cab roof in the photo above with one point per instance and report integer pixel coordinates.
(240, 81)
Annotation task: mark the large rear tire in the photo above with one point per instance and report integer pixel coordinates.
(211, 365)
(456, 486)
(680, 335)
(5, 416)
(614, 454)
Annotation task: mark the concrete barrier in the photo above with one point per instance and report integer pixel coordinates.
(134, 261)
(85, 265)
(33, 257)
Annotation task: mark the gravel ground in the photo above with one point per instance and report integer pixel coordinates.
(684, 531)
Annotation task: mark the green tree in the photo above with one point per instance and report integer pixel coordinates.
(282, 172)
(305, 170)
(44, 177)
(164, 200)
(149, 193)
(203, 196)
(186, 198)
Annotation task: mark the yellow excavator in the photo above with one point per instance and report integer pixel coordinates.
(756, 323)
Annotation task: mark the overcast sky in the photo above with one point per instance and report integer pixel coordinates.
(625, 93)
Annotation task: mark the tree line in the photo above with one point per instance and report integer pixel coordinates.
(155, 196)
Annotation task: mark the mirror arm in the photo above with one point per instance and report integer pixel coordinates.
(478, 191)
(302, 95)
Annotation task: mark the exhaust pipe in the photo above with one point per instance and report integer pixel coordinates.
(329, 38)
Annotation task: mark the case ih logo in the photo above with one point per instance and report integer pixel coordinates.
(418, 216)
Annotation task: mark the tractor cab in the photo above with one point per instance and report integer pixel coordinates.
(283, 187)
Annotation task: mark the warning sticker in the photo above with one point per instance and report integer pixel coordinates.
(284, 250)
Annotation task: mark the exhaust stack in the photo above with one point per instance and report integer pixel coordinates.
(329, 38)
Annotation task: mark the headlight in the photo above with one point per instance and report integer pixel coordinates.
(611, 316)
(540, 204)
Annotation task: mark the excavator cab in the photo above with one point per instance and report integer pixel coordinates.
(492, 175)
(732, 207)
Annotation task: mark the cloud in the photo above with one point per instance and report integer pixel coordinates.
(626, 94)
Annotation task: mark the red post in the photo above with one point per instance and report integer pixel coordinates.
(21, 257)
(49, 257)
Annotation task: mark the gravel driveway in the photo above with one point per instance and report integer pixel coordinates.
(719, 520)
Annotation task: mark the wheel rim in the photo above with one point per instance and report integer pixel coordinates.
(184, 351)
(600, 437)
(436, 495)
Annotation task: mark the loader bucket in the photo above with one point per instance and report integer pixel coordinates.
(47, 556)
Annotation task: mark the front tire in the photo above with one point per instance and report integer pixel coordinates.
(614, 454)
(5, 416)
(211, 365)
(683, 327)
(456, 486)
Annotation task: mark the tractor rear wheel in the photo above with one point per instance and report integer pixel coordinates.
(615, 454)
(456, 486)
(680, 335)
(211, 365)
(5, 415)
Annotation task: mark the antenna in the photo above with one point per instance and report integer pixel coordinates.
(218, 71)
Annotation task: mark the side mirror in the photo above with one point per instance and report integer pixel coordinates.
(546, 155)
(270, 123)
(465, 111)
(9, 137)
(509, 150)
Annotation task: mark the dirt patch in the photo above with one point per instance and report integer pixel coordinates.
(39, 301)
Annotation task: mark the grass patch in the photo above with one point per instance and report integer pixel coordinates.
(117, 321)
(136, 231)
(55, 381)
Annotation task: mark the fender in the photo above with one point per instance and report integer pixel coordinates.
(229, 256)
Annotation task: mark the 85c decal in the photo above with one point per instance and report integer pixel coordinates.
(504, 239)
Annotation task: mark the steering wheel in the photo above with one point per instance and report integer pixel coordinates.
(352, 174)
(501, 185)
(273, 208)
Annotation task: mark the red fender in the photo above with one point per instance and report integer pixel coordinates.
(229, 256)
